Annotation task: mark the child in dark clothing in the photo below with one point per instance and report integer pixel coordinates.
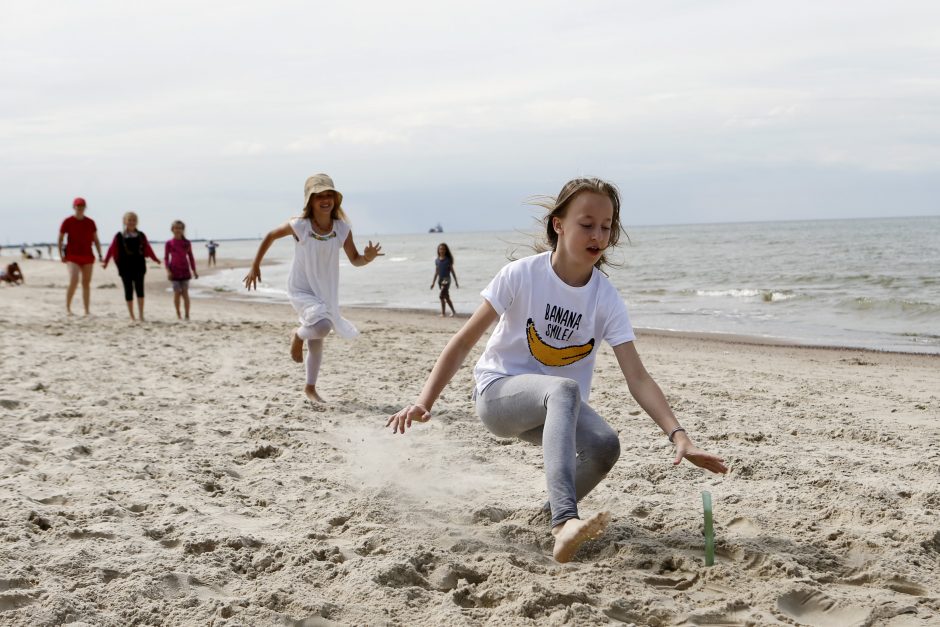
(443, 269)
(130, 250)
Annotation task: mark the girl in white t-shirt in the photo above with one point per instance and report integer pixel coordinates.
(313, 283)
(533, 380)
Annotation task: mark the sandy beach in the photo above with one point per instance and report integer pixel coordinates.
(171, 473)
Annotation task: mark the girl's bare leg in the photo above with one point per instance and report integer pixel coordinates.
(86, 285)
(443, 308)
(449, 302)
(296, 348)
(185, 302)
(74, 272)
(176, 303)
(130, 308)
(140, 308)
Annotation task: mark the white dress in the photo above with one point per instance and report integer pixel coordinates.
(313, 283)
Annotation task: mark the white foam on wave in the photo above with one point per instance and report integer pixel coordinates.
(768, 296)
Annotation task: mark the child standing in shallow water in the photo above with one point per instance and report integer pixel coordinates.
(178, 257)
(533, 380)
(443, 270)
(313, 283)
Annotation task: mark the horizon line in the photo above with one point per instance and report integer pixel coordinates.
(679, 224)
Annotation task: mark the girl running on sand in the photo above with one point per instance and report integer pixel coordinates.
(533, 380)
(313, 283)
(443, 270)
(178, 259)
(129, 249)
(76, 253)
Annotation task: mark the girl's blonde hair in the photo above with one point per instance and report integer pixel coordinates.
(557, 207)
(127, 215)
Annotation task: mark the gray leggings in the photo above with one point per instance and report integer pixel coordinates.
(579, 447)
(314, 335)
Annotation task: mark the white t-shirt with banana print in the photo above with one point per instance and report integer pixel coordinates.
(547, 326)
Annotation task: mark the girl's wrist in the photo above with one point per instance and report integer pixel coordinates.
(679, 435)
(678, 432)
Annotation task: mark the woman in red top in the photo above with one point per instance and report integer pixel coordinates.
(76, 254)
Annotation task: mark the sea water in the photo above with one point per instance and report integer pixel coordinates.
(855, 283)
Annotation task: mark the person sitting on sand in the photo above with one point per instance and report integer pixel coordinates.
(443, 270)
(313, 283)
(12, 275)
(533, 379)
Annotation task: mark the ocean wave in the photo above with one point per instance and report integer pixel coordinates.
(913, 308)
(881, 280)
(925, 336)
(768, 296)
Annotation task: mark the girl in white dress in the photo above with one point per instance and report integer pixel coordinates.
(313, 284)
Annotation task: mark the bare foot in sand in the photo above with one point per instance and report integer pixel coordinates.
(571, 534)
(297, 349)
(310, 391)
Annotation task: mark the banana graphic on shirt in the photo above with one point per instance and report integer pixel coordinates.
(551, 356)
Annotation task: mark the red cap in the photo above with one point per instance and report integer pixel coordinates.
(78, 202)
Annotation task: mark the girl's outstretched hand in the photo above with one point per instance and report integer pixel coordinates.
(403, 419)
(700, 458)
(251, 279)
(371, 252)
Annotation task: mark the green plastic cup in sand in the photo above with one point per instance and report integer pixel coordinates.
(709, 529)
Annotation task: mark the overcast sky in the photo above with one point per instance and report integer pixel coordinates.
(216, 112)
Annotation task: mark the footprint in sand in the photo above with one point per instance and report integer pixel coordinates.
(748, 558)
(447, 577)
(15, 600)
(809, 607)
(904, 586)
(55, 499)
(674, 583)
(181, 584)
(14, 583)
(730, 613)
(743, 526)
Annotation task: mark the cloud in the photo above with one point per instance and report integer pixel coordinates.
(240, 100)
(243, 149)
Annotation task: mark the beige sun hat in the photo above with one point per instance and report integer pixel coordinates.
(321, 183)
